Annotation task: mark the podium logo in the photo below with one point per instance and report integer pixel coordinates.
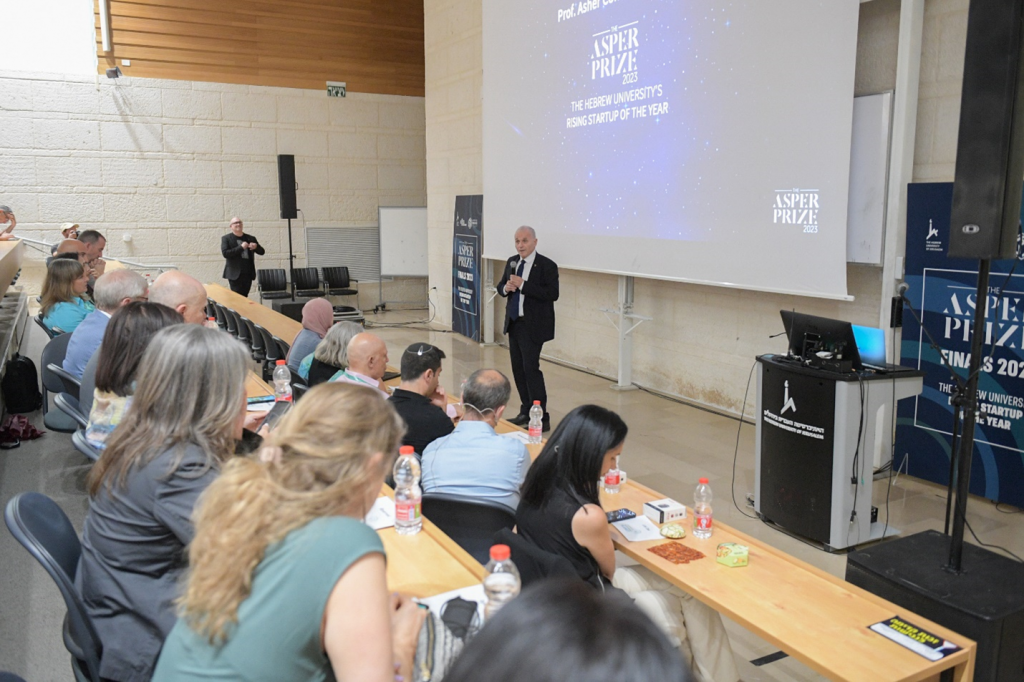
(788, 403)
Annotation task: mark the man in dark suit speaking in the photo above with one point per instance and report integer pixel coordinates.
(240, 250)
(530, 287)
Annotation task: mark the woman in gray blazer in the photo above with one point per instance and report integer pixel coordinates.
(187, 413)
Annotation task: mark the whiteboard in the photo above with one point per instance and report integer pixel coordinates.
(403, 241)
(869, 173)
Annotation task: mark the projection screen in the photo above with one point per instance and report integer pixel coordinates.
(673, 139)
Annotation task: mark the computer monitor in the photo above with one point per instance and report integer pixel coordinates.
(870, 344)
(810, 334)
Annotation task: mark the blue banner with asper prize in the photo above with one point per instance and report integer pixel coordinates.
(466, 243)
(944, 292)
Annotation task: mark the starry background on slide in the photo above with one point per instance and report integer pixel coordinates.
(640, 171)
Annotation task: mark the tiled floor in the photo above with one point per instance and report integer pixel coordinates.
(670, 446)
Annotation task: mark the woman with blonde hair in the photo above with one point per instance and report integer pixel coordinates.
(187, 412)
(64, 305)
(331, 354)
(285, 581)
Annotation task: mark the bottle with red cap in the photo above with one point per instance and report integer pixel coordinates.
(702, 510)
(282, 382)
(536, 427)
(502, 583)
(408, 495)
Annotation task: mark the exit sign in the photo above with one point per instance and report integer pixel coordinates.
(335, 89)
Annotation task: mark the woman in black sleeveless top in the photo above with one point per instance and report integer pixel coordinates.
(560, 508)
(560, 512)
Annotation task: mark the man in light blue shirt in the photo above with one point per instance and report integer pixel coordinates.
(473, 461)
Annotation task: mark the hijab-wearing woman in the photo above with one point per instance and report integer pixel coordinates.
(560, 512)
(64, 303)
(187, 413)
(125, 340)
(285, 581)
(317, 318)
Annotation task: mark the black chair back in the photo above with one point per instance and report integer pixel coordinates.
(307, 282)
(533, 562)
(338, 282)
(282, 346)
(272, 283)
(42, 528)
(52, 333)
(82, 444)
(298, 390)
(70, 384)
(88, 391)
(471, 523)
(53, 352)
(222, 318)
(68, 404)
(255, 340)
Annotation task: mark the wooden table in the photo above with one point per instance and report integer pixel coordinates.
(421, 565)
(281, 326)
(811, 615)
(12, 252)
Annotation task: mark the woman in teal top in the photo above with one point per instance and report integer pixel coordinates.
(286, 582)
(63, 290)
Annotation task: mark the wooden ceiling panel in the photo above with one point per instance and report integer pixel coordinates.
(374, 45)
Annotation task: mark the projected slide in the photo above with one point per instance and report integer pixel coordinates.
(698, 141)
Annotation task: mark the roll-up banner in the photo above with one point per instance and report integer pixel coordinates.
(944, 291)
(466, 244)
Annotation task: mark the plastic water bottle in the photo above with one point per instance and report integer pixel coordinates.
(702, 524)
(408, 495)
(613, 479)
(536, 427)
(282, 382)
(502, 582)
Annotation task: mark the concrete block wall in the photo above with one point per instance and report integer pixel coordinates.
(703, 339)
(165, 164)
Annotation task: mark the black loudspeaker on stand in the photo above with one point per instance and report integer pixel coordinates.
(289, 208)
(969, 589)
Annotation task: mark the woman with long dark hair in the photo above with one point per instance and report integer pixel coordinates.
(560, 512)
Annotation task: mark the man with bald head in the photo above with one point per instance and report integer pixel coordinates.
(70, 246)
(530, 287)
(240, 250)
(473, 461)
(185, 294)
(367, 362)
(113, 290)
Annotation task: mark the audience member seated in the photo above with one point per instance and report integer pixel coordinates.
(561, 512)
(286, 582)
(367, 362)
(94, 245)
(63, 299)
(126, 339)
(187, 413)
(185, 294)
(329, 356)
(7, 216)
(342, 333)
(564, 630)
(112, 291)
(70, 246)
(474, 461)
(317, 318)
(420, 399)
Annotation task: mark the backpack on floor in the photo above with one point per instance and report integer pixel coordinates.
(20, 386)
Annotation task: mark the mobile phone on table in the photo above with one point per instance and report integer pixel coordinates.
(279, 409)
(260, 399)
(621, 515)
